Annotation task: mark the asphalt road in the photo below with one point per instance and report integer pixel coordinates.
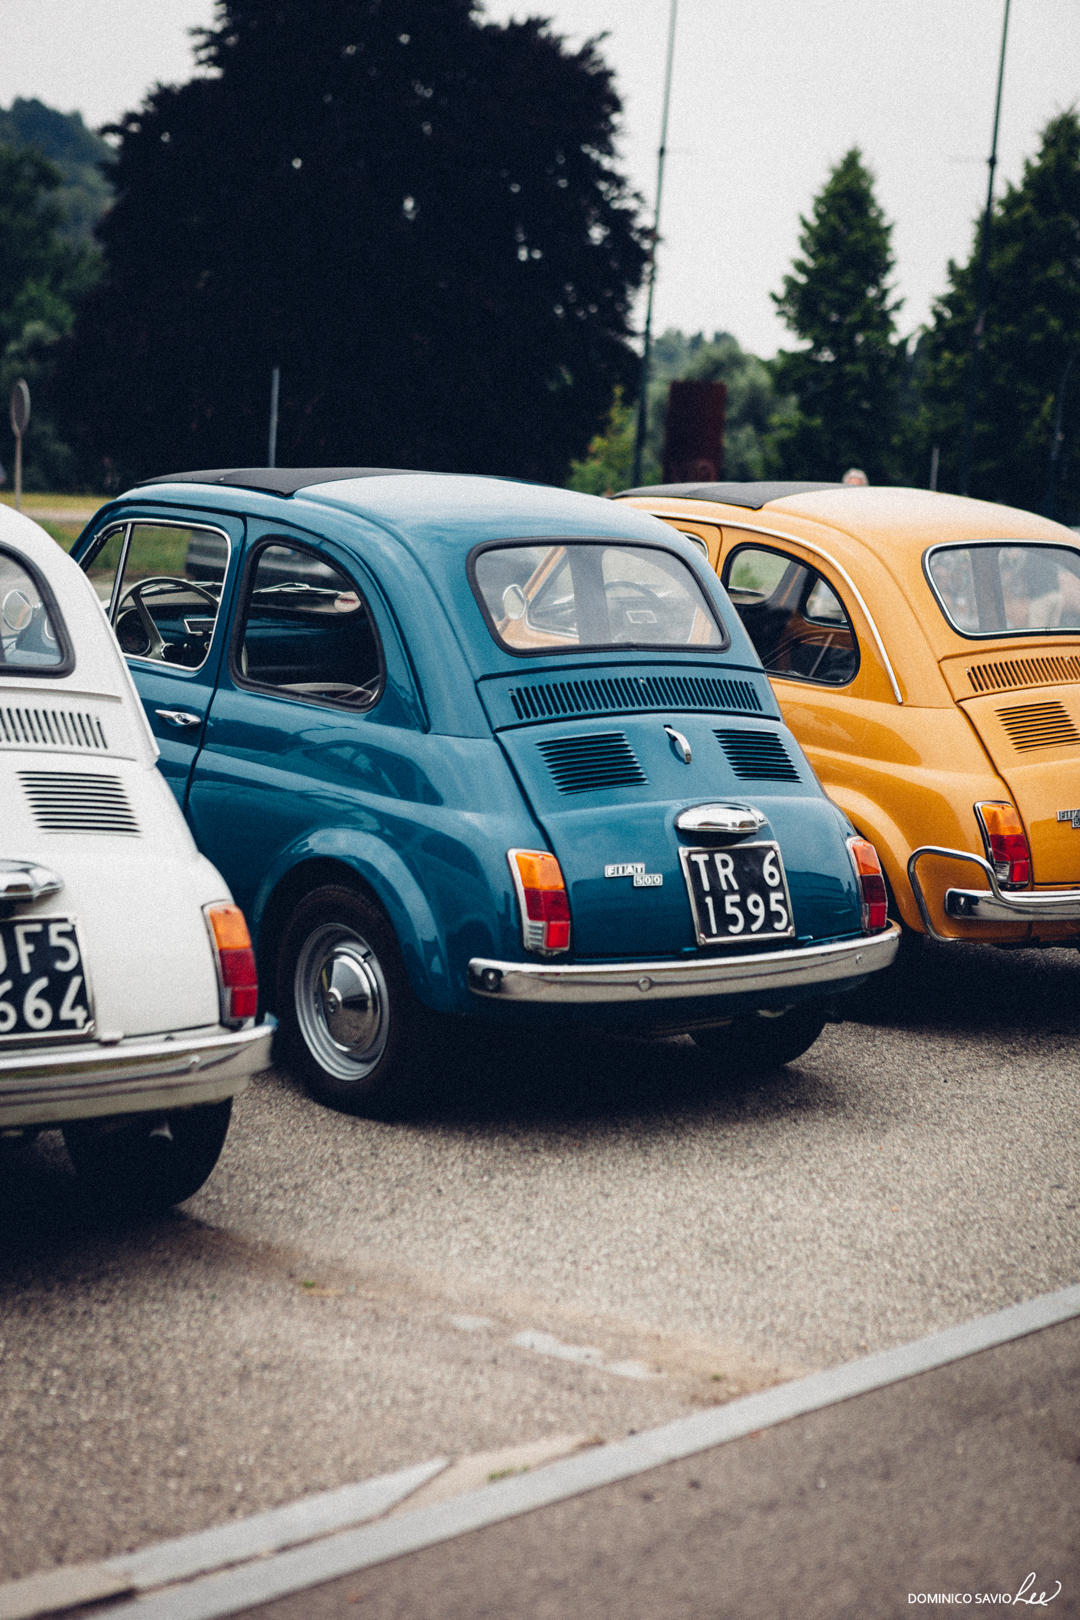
(564, 1242)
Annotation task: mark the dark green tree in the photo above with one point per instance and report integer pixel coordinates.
(1031, 356)
(78, 154)
(417, 215)
(839, 301)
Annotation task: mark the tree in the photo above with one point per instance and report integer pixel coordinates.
(838, 299)
(77, 153)
(415, 214)
(1031, 356)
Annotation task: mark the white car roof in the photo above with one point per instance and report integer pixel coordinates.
(100, 670)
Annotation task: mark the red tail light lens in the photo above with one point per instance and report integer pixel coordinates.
(541, 892)
(1006, 844)
(238, 982)
(875, 899)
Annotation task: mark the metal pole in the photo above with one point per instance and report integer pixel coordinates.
(18, 472)
(980, 285)
(1055, 443)
(643, 392)
(275, 383)
(935, 454)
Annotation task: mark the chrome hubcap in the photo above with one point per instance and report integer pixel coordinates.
(342, 1003)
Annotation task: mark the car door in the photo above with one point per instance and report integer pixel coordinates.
(165, 583)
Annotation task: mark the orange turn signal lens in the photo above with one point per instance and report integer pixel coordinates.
(238, 980)
(541, 892)
(1006, 843)
(875, 898)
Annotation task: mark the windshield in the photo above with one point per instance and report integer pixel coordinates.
(31, 635)
(591, 594)
(1002, 587)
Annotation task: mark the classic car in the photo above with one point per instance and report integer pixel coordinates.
(128, 991)
(468, 747)
(925, 650)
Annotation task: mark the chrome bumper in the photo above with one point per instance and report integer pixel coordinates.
(145, 1074)
(991, 905)
(614, 982)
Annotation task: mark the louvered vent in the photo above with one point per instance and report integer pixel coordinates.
(620, 694)
(50, 728)
(71, 801)
(1047, 669)
(757, 756)
(1038, 725)
(582, 764)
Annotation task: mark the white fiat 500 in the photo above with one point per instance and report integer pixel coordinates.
(127, 981)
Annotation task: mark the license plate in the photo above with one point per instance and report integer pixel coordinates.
(43, 988)
(738, 895)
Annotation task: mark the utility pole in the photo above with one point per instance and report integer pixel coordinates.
(978, 332)
(275, 384)
(20, 416)
(643, 393)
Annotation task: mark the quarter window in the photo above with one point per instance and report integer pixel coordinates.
(32, 637)
(306, 631)
(1000, 589)
(796, 621)
(162, 586)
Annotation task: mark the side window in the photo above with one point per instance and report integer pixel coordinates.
(162, 586)
(793, 616)
(33, 640)
(306, 631)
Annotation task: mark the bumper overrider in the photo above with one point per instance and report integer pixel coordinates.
(991, 905)
(142, 1074)
(613, 982)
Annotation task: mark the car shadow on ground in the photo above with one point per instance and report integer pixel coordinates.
(966, 989)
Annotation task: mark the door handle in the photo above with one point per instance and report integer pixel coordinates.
(179, 717)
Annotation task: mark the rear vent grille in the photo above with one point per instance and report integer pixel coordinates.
(619, 694)
(1048, 669)
(69, 801)
(757, 756)
(1038, 725)
(583, 764)
(50, 728)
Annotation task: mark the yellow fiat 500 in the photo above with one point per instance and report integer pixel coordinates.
(925, 651)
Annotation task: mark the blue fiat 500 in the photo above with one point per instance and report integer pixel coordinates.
(469, 747)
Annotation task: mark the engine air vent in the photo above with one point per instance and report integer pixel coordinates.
(604, 759)
(1038, 725)
(72, 801)
(21, 727)
(622, 694)
(1043, 669)
(757, 756)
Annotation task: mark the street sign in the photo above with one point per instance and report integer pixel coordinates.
(20, 416)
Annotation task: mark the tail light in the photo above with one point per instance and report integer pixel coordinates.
(875, 899)
(1006, 844)
(238, 982)
(541, 892)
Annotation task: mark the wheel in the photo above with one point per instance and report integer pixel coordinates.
(763, 1040)
(143, 1163)
(351, 1026)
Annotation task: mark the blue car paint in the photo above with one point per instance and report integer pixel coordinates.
(423, 795)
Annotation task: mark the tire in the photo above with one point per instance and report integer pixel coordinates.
(351, 1027)
(751, 1045)
(145, 1163)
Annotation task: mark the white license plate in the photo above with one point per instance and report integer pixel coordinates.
(739, 894)
(43, 988)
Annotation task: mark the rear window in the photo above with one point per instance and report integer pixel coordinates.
(32, 636)
(577, 594)
(1001, 587)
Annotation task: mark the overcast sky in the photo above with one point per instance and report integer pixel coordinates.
(767, 94)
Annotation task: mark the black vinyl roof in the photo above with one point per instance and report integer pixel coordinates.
(752, 495)
(275, 480)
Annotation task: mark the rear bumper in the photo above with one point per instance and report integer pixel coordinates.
(829, 966)
(145, 1074)
(991, 905)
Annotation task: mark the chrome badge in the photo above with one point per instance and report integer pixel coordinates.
(1070, 815)
(635, 870)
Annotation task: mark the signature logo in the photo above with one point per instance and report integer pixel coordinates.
(1026, 1595)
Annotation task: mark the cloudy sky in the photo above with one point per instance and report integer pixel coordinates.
(767, 95)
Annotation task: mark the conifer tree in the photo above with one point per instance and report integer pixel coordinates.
(838, 300)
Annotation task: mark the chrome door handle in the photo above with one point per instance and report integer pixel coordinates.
(179, 717)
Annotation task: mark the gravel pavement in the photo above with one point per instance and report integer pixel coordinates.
(570, 1243)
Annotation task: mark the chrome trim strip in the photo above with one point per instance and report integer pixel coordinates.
(613, 982)
(994, 906)
(134, 1076)
(797, 540)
